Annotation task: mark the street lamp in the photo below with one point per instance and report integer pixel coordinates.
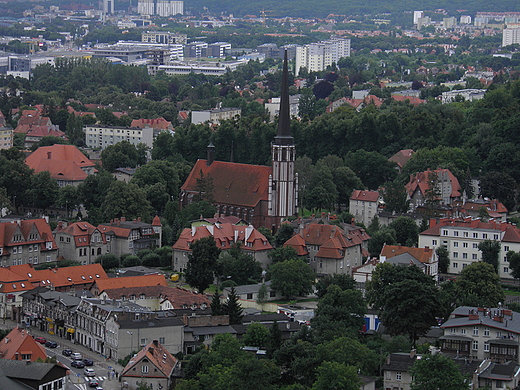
(131, 341)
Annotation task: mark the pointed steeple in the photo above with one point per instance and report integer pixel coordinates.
(284, 119)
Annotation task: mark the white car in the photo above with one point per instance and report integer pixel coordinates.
(76, 356)
(89, 372)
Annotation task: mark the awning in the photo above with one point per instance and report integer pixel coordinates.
(49, 319)
(70, 330)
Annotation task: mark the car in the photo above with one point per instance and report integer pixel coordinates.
(89, 372)
(93, 383)
(51, 344)
(88, 362)
(66, 352)
(76, 356)
(77, 364)
(41, 340)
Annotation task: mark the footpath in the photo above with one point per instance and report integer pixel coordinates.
(100, 362)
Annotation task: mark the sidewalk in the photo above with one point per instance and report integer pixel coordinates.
(99, 360)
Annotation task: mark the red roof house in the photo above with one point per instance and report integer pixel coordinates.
(20, 345)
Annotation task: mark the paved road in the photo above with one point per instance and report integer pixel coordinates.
(77, 379)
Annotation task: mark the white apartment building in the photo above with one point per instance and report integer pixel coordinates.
(468, 94)
(167, 8)
(146, 7)
(417, 15)
(510, 36)
(6, 137)
(465, 19)
(317, 56)
(462, 236)
(164, 37)
(363, 205)
(215, 115)
(99, 136)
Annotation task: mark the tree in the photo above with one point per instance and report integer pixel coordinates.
(372, 168)
(204, 188)
(92, 192)
(151, 260)
(408, 300)
(262, 295)
(479, 285)
(108, 261)
(282, 253)
(406, 231)
(123, 154)
(216, 304)
(501, 186)
(395, 197)
(256, 335)
(131, 261)
(379, 239)
(202, 263)
(434, 372)
(332, 375)
(443, 256)
(513, 259)
(292, 278)
(343, 281)
(350, 352)
(126, 200)
(238, 266)
(43, 191)
(432, 194)
(490, 252)
(285, 232)
(68, 198)
(233, 308)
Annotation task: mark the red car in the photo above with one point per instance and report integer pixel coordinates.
(41, 340)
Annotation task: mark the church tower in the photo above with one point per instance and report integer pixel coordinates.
(283, 182)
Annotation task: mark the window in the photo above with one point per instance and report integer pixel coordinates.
(250, 296)
(26, 356)
(444, 232)
(464, 244)
(456, 233)
(144, 369)
(486, 347)
(506, 270)
(455, 255)
(486, 331)
(474, 256)
(475, 345)
(143, 341)
(455, 244)
(398, 376)
(475, 246)
(475, 331)
(463, 331)
(161, 340)
(455, 265)
(272, 294)
(506, 248)
(453, 330)
(434, 242)
(495, 237)
(484, 235)
(464, 255)
(499, 335)
(465, 234)
(475, 235)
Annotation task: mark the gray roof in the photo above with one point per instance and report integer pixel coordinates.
(510, 322)
(405, 259)
(399, 362)
(203, 330)
(249, 288)
(152, 323)
(500, 371)
(270, 317)
(18, 369)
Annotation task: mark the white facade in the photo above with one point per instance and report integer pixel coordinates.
(274, 106)
(145, 7)
(99, 137)
(468, 94)
(317, 56)
(465, 19)
(417, 15)
(167, 8)
(510, 36)
(6, 138)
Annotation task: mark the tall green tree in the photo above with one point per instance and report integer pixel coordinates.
(333, 375)
(443, 257)
(513, 259)
(126, 200)
(479, 285)
(372, 168)
(406, 231)
(292, 278)
(240, 266)
(43, 191)
(490, 252)
(433, 372)
(233, 308)
(395, 197)
(202, 263)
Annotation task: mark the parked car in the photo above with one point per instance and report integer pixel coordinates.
(51, 344)
(89, 372)
(66, 352)
(41, 340)
(93, 383)
(76, 356)
(77, 364)
(88, 362)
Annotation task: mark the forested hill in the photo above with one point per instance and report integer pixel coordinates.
(322, 8)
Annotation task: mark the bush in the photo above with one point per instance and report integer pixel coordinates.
(228, 283)
(131, 261)
(143, 252)
(151, 260)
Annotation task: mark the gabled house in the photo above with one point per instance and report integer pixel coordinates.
(495, 376)
(226, 235)
(424, 258)
(65, 163)
(364, 205)
(131, 236)
(158, 124)
(328, 248)
(201, 330)
(473, 208)
(20, 345)
(129, 282)
(153, 365)
(401, 158)
(447, 187)
(396, 370)
(23, 375)
(36, 133)
(80, 241)
(27, 242)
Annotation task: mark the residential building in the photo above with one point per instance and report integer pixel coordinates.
(465, 94)
(225, 235)
(158, 124)
(131, 236)
(146, 7)
(274, 106)
(101, 136)
(124, 174)
(20, 345)
(215, 115)
(80, 241)
(127, 282)
(6, 137)
(364, 205)
(396, 370)
(165, 8)
(27, 242)
(491, 375)
(195, 49)
(316, 57)
(447, 188)
(423, 258)
(328, 248)
(482, 333)
(36, 133)
(65, 163)
(249, 292)
(153, 365)
(417, 15)
(510, 36)
(164, 37)
(159, 297)
(269, 49)
(462, 236)
(218, 50)
(23, 375)
(475, 207)
(402, 157)
(201, 330)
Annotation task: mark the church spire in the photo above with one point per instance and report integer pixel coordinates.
(284, 119)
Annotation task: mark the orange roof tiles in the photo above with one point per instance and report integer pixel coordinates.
(158, 356)
(157, 123)
(420, 181)
(225, 235)
(234, 183)
(130, 281)
(177, 296)
(24, 228)
(367, 196)
(424, 255)
(19, 342)
(402, 157)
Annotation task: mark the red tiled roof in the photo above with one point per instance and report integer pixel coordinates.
(234, 183)
(225, 235)
(131, 281)
(367, 196)
(298, 243)
(413, 100)
(19, 342)
(26, 123)
(81, 232)
(424, 255)
(158, 356)
(402, 157)
(420, 181)
(45, 131)
(177, 296)
(158, 123)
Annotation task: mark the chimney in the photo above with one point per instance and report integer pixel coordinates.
(156, 343)
(413, 352)
(49, 155)
(150, 349)
(210, 154)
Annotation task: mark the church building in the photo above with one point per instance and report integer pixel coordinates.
(261, 195)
